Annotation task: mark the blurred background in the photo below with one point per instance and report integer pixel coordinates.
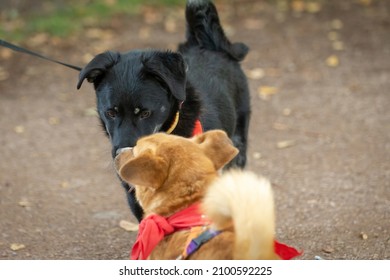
(319, 75)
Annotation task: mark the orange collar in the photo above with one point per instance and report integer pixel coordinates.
(198, 129)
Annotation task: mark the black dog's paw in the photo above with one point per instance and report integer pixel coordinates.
(240, 160)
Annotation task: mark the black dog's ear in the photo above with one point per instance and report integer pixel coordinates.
(170, 68)
(97, 67)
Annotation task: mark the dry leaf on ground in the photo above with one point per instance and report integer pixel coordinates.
(333, 61)
(285, 144)
(128, 226)
(19, 129)
(257, 155)
(265, 92)
(24, 203)
(91, 112)
(328, 250)
(17, 246)
(255, 74)
(313, 7)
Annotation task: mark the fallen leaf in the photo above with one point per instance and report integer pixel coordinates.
(364, 235)
(91, 112)
(332, 61)
(285, 144)
(328, 249)
(65, 184)
(266, 91)
(17, 246)
(298, 6)
(24, 203)
(19, 129)
(128, 226)
(257, 155)
(313, 7)
(255, 74)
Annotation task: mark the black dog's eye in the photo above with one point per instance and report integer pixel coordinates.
(112, 113)
(144, 114)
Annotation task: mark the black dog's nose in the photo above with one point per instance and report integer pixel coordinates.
(120, 150)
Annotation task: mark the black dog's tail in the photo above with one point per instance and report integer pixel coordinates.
(205, 30)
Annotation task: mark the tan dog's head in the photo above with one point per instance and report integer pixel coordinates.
(171, 172)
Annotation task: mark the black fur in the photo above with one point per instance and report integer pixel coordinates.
(140, 92)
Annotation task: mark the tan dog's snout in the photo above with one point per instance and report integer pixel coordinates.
(124, 149)
(122, 156)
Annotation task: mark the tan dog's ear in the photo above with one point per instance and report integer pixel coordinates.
(217, 146)
(146, 169)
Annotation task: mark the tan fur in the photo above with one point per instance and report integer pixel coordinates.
(170, 173)
(247, 201)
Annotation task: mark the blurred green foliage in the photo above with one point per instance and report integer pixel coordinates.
(64, 19)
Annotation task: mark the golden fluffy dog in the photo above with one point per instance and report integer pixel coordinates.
(171, 173)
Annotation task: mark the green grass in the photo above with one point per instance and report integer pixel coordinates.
(64, 21)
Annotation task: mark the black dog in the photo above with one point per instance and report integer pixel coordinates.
(143, 92)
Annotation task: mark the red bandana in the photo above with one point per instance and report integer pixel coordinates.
(286, 252)
(154, 228)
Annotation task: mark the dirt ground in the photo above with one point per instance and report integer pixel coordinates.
(319, 76)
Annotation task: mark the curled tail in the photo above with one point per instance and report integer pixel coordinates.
(245, 200)
(204, 30)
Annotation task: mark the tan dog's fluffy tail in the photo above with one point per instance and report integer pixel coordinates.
(244, 200)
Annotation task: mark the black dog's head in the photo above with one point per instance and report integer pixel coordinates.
(138, 92)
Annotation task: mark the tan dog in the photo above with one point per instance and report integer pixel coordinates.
(171, 173)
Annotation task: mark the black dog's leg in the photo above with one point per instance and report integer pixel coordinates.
(240, 136)
(133, 203)
(240, 139)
